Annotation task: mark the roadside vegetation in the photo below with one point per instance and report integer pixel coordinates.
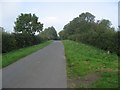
(90, 67)
(92, 55)
(98, 33)
(13, 56)
(28, 36)
(27, 32)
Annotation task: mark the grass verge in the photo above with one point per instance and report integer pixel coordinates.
(13, 56)
(83, 60)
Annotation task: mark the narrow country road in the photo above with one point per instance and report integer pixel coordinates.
(45, 68)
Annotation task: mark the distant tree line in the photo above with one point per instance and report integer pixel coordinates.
(99, 34)
(49, 34)
(24, 35)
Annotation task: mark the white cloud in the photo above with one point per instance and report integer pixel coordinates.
(8, 14)
(59, 0)
(119, 13)
(9, 7)
(11, 0)
(54, 14)
(50, 19)
(0, 14)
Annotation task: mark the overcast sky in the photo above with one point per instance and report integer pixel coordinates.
(119, 13)
(57, 14)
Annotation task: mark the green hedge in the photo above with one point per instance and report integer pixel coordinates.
(18, 40)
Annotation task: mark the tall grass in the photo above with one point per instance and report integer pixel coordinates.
(83, 59)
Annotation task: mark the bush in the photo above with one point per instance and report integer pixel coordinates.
(8, 42)
(18, 40)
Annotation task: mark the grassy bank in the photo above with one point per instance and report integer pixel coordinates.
(90, 67)
(13, 56)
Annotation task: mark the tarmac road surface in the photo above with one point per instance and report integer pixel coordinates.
(45, 68)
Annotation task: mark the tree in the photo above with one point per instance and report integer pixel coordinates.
(62, 35)
(49, 34)
(80, 24)
(105, 23)
(88, 17)
(99, 34)
(27, 23)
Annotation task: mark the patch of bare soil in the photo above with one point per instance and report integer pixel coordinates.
(109, 70)
(83, 82)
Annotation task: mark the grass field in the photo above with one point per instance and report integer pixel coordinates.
(89, 67)
(13, 56)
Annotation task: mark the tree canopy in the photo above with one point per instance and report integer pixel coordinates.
(28, 23)
(49, 33)
(84, 29)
